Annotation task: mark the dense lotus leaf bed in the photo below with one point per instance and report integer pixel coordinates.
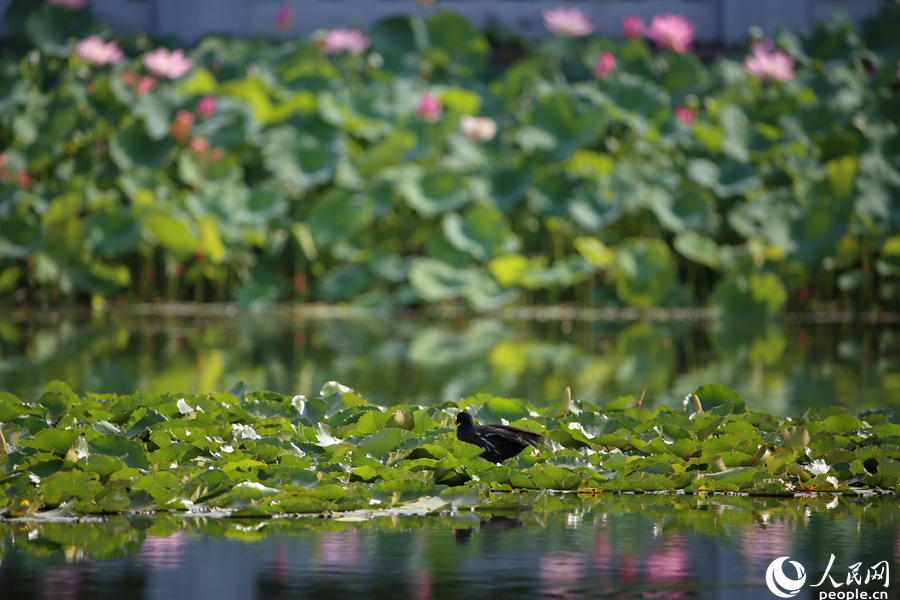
(261, 453)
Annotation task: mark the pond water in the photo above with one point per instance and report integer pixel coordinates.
(618, 546)
(781, 369)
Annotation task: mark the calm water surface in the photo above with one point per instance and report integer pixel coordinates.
(776, 368)
(614, 546)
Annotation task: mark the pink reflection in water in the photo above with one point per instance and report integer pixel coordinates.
(422, 584)
(62, 583)
(559, 574)
(602, 551)
(763, 544)
(897, 547)
(164, 552)
(670, 564)
(667, 568)
(341, 551)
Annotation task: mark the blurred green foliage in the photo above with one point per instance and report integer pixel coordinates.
(315, 180)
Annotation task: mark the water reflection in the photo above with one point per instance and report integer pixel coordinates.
(779, 369)
(620, 547)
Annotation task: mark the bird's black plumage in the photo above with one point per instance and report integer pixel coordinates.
(499, 441)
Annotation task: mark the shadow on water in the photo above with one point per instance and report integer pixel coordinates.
(777, 368)
(618, 546)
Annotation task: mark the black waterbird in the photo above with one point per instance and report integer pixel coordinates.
(499, 441)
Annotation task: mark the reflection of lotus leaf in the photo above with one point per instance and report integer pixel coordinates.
(643, 356)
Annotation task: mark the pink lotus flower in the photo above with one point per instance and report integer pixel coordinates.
(200, 145)
(163, 63)
(73, 4)
(478, 129)
(685, 114)
(94, 50)
(767, 63)
(633, 27)
(181, 128)
(145, 85)
(345, 40)
(672, 32)
(568, 22)
(284, 18)
(606, 65)
(206, 107)
(129, 78)
(430, 108)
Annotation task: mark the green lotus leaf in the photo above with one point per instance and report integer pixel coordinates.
(758, 296)
(128, 451)
(144, 423)
(381, 442)
(344, 116)
(110, 231)
(432, 193)
(719, 396)
(481, 230)
(49, 28)
(157, 111)
(67, 485)
(508, 187)
(343, 283)
(57, 441)
(462, 47)
(494, 410)
(133, 147)
(20, 237)
(556, 129)
(102, 465)
(371, 421)
(172, 232)
(739, 476)
(302, 159)
(10, 407)
(303, 504)
(251, 490)
(644, 272)
(112, 500)
(637, 94)
(207, 484)
(387, 152)
(394, 39)
(434, 280)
